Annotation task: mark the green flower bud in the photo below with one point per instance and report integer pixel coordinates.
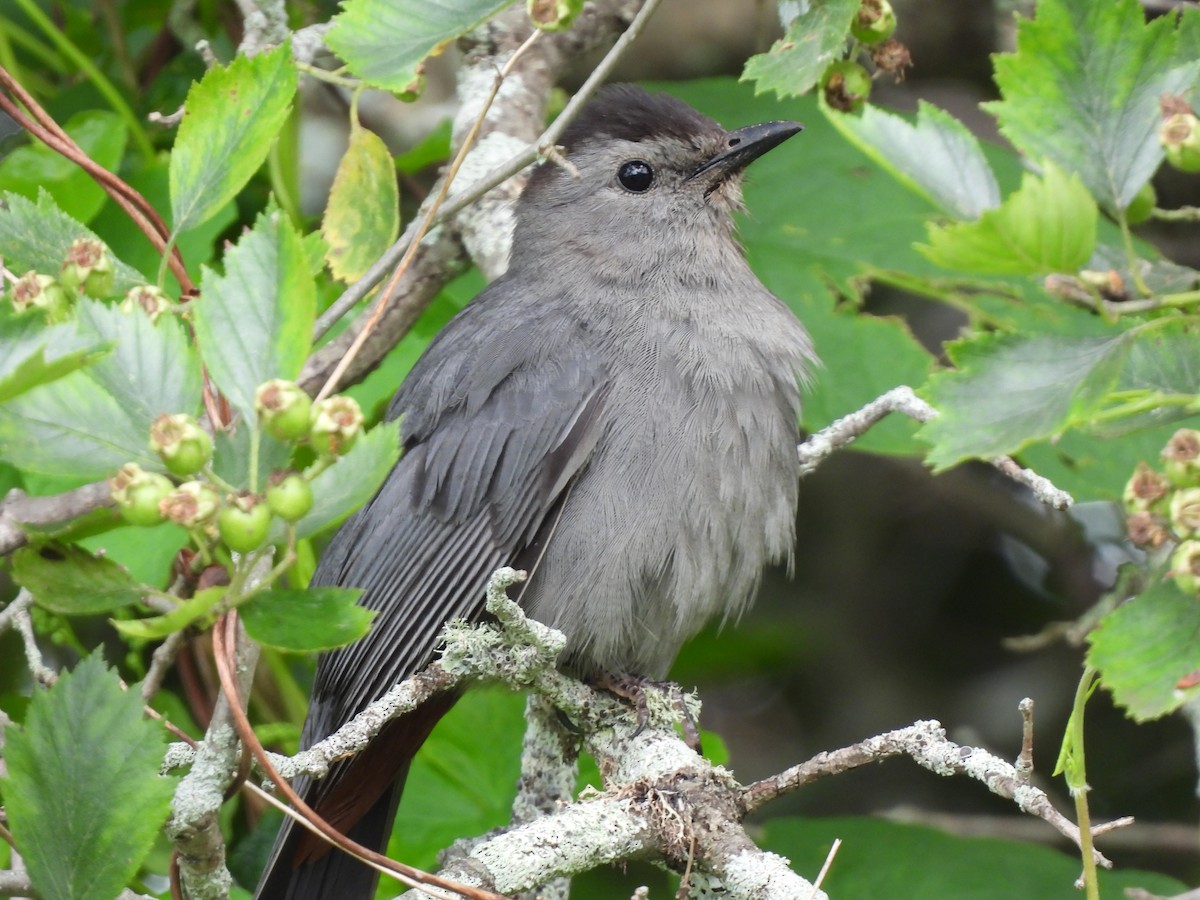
(1144, 489)
(874, 22)
(149, 299)
(1181, 458)
(1180, 139)
(1185, 567)
(289, 495)
(40, 292)
(336, 424)
(191, 504)
(846, 85)
(284, 410)
(243, 522)
(180, 442)
(88, 268)
(138, 494)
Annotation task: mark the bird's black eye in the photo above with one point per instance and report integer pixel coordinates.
(635, 176)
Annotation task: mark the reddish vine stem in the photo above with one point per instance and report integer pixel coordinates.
(224, 638)
(43, 127)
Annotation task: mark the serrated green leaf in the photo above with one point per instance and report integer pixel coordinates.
(230, 118)
(814, 39)
(1048, 225)
(67, 579)
(36, 236)
(306, 621)
(1145, 646)
(1010, 390)
(384, 42)
(83, 794)
(100, 134)
(192, 610)
(358, 233)
(1083, 89)
(255, 322)
(937, 156)
(890, 859)
(32, 353)
(350, 482)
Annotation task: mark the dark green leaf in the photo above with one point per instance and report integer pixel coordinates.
(36, 236)
(888, 859)
(67, 579)
(32, 353)
(384, 42)
(814, 39)
(1083, 90)
(1049, 225)
(306, 621)
(1145, 646)
(357, 233)
(230, 119)
(192, 610)
(937, 156)
(100, 134)
(351, 481)
(255, 322)
(1010, 390)
(83, 794)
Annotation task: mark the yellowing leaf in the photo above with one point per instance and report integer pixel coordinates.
(362, 218)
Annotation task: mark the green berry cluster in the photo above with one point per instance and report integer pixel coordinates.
(1164, 506)
(846, 83)
(214, 510)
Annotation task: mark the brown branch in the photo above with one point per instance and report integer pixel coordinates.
(19, 510)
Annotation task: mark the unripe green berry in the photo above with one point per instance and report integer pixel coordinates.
(191, 504)
(284, 410)
(553, 15)
(180, 442)
(1185, 512)
(150, 299)
(336, 424)
(34, 290)
(874, 22)
(1185, 567)
(243, 522)
(1179, 135)
(1181, 458)
(289, 496)
(1144, 489)
(846, 85)
(138, 494)
(1142, 205)
(88, 268)
(1146, 530)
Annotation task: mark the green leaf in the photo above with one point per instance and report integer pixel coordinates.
(230, 119)
(154, 628)
(454, 789)
(888, 859)
(350, 482)
(32, 353)
(1145, 646)
(36, 236)
(1083, 89)
(358, 233)
(255, 322)
(1009, 390)
(100, 134)
(1049, 225)
(305, 621)
(814, 39)
(83, 794)
(383, 42)
(937, 156)
(67, 579)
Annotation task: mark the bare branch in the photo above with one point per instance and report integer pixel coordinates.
(18, 510)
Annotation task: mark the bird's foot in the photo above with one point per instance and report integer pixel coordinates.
(635, 689)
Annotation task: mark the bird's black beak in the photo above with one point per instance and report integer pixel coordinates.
(743, 147)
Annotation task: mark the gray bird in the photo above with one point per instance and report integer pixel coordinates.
(617, 414)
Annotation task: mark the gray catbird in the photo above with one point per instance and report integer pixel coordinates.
(617, 414)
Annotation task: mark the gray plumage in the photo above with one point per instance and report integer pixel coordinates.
(617, 414)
